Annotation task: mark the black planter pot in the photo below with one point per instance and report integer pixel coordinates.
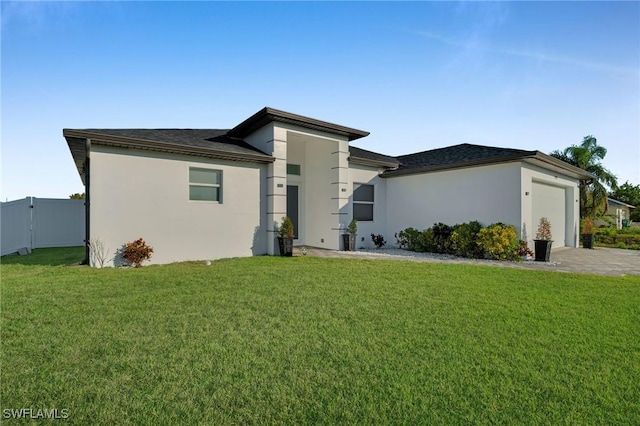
(587, 241)
(348, 242)
(286, 246)
(543, 250)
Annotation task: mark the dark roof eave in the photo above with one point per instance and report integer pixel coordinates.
(372, 163)
(529, 156)
(126, 142)
(571, 170)
(443, 167)
(268, 115)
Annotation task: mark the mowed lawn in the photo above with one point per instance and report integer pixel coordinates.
(311, 340)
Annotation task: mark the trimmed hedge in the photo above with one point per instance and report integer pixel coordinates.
(471, 240)
(626, 238)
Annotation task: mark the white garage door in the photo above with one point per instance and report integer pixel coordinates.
(549, 201)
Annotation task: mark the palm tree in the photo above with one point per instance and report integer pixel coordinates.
(588, 156)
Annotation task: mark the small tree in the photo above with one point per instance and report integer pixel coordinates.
(286, 229)
(98, 252)
(77, 196)
(352, 229)
(544, 230)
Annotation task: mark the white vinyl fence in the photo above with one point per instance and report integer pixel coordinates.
(41, 222)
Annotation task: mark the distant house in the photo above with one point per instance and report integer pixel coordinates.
(617, 213)
(211, 193)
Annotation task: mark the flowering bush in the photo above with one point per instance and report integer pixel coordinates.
(499, 242)
(136, 252)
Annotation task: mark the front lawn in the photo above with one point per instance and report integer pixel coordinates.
(310, 340)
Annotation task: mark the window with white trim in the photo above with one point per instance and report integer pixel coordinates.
(363, 200)
(205, 184)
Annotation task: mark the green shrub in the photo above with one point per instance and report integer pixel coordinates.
(427, 242)
(464, 240)
(499, 241)
(378, 240)
(408, 238)
(614, 237)
(441, 237)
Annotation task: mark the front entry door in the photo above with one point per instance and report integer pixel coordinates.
(292, 207)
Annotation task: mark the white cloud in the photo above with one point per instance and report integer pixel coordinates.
(475, 43)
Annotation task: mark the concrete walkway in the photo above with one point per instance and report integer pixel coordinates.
(599, 261)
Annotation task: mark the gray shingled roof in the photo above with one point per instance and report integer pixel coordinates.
(456, 156)
(217, 139)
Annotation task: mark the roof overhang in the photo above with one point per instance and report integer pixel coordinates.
(555, 165)
(535, 158)
(76, 139)
(620, 203)
(372, 163)
(268, 115)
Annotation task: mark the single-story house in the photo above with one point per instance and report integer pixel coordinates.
(213, 193)
(617, 212)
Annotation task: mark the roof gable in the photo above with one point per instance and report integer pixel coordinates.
(469, 155)
(267, 115)
(611, 201)
(458, 154)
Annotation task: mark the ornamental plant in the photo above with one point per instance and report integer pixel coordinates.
(499, 241)
(544, 230)
(286, 228)
(587, 226)
(352, 229)
(378, 240)
(136, 252)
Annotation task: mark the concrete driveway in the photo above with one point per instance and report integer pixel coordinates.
(599, 261)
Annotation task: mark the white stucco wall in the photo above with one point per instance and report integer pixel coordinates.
(324, 169)
(369, 176)
(144, 194)
(487, 194)
(564, 234)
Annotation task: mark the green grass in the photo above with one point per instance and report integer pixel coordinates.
(309, 340)
(49, 256)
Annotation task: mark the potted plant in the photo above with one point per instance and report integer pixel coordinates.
(349, 239)
(587, 233)
(285, 237)
(543, 240)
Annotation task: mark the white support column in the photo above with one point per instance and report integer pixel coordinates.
(341, 192)
(276, 189)
(273, 141)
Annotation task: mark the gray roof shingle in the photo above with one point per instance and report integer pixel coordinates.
(456, 156)
(217, 139)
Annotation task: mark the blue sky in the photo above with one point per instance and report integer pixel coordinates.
(418, 75)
